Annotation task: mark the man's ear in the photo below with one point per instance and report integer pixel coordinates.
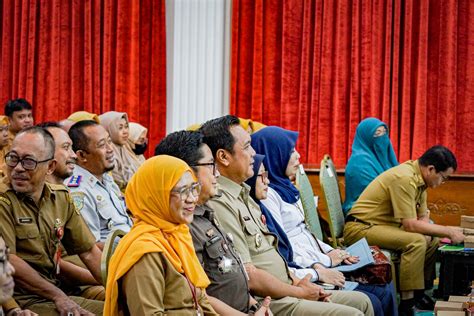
(222, 157)
(81, 155)
(51, 166)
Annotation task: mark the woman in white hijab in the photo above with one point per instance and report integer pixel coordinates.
(138, 141)
(116, 123)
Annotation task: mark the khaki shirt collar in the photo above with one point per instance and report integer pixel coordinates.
(234, 189)
(417, 176)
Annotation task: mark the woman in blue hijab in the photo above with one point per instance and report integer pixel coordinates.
(372, 154)
(284, 204)
(260, 178)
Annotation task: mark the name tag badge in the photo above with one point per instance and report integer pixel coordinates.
(25, 220)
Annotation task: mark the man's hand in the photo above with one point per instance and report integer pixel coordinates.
(67, 307)
(331, 276)
(456, 236)
(309, 291)
(264, 310)
(351, 260)
(19, 312)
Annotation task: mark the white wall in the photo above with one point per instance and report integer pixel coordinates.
(198, 61)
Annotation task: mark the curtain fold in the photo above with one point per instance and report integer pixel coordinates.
(320, 67)
(96, 55)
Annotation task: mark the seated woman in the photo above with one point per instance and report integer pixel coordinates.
(284, 204)
(372, 154)
(116, 123)
(154, 269)
(138, 142)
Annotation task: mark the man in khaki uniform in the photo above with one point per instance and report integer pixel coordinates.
(37, 218)
(392, 213)
(240, 215)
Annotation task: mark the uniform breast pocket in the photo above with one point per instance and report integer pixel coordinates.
(104, 210)
(214, 252)
(254, 237)
(29, 243)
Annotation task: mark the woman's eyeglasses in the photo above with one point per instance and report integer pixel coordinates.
(184, 192)
(264, 175)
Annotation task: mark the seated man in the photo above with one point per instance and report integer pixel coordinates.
(240, 215)
(38, 218)
(392, 213)
(93, 190)
(20, 115)
(65, 162)
(228, 292)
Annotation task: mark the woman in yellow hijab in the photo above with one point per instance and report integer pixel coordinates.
(155, 269)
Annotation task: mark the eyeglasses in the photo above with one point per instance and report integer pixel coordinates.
(30, 164)
(213, 164)
(184, 192)
(443, 177)
(4, 259)
(264, 175)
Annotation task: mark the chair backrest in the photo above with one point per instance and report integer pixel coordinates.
(109, 248)
(309, 206)
(332, 197)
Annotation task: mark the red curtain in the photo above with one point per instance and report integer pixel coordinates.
(320, 67)
(65, 56)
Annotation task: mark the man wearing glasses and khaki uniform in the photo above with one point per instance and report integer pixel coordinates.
(36, 219)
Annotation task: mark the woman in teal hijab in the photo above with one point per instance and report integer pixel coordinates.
(372, 154)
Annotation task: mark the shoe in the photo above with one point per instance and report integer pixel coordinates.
(425, 303)
(407, 308)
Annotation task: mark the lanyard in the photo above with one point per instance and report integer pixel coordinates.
(193, 292)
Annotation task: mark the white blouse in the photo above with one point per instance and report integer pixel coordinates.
(307, 250)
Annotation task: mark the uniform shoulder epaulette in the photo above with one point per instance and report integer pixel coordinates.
(5, 200)
(58, 187)
(75, 181)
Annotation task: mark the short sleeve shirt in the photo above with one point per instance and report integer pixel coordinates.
(398, 193)
(222, 264)
(101, 203)
(35, 232)
(242, 217)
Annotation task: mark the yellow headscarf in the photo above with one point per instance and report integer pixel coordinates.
(83, 116)
(254, 126)
(4, 120)
(193, 127)
(148, 198)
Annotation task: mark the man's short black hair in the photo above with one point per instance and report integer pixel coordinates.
(49, 143)
(185, 145)
(440, 157)
(16, 105)
(48, 124)
(80, 141)
(217, 133)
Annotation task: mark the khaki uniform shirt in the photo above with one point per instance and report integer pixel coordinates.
(222, 264)
(398, 193)
(34, 232)
(242, 217)
(153, 287)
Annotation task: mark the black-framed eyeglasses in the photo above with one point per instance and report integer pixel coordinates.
(213, 164)
(12, 160)
(264, 175)
(184, 192)
(4, 256)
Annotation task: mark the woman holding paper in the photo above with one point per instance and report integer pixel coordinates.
(282, 200)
